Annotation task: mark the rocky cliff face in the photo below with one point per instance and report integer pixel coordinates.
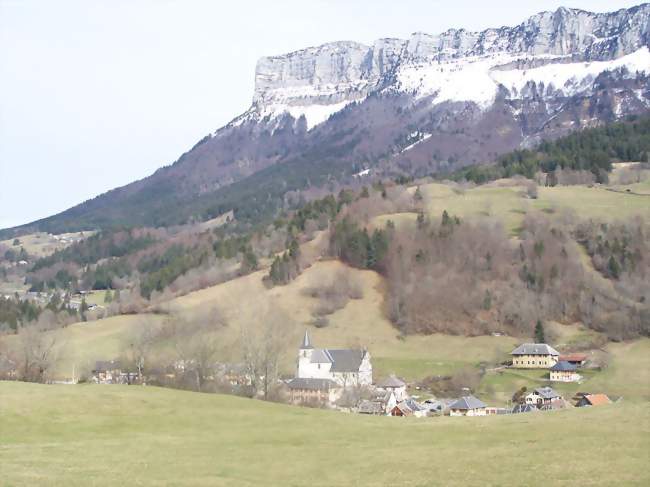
(319, 81)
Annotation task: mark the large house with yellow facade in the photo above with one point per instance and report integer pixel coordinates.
(534, 356)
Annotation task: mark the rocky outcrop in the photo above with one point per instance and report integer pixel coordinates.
(335, 74)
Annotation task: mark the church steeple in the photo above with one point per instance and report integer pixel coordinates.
(306, 342)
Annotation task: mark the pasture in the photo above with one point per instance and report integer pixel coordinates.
(133, 435)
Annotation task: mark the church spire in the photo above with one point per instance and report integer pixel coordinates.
(306, 342)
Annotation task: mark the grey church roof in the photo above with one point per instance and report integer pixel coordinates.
(564, 366)
(320, 356)
(346, 360)
(312, 384)
(341, 360)
(468, 402)
(534, 349)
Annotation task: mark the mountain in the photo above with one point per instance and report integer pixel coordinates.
(426, 104)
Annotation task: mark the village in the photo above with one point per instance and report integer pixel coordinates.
(342, 379)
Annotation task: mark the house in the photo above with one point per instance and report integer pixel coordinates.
(348, 368)
(593, 400)
(564, 371)
(394, 385)
(371, 407)
(380, 404)
(577, 359)
(107, 372)
(112, 372)
(408, 407)
(534, 356)
(304, 390)
(468, 406)
(542, 396)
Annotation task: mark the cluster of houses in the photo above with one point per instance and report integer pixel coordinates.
(326, 377)
(323, 376)
(562, 368)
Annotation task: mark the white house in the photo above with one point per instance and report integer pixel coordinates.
(468, 406)
(345, 367)
(542, 396)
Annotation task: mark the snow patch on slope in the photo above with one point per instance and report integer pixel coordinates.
(465, 79)
(570, 78)
(314, 114)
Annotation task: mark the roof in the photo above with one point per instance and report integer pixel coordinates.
(306, 342)
(371, 407)
(409, 406)
(564, 366)
(312, 384)
(468, 402)
(546, 392)
(534, 349)
(319, 356)
(341, 360)
(573, 357)
(597, 399)
(391, 381)
(106, 365)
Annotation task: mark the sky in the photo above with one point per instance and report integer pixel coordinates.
(97, 94)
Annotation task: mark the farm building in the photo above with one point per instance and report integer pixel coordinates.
(534, 356)
(408, 407)
(345, 367)
(542, 396)
(577, 359)
(593, 400)
(564, 372)
(468, 406)
(313, 391)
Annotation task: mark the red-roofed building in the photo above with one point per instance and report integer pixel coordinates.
(577, 359)
(593, 400)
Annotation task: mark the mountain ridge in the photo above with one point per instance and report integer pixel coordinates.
(422, 105)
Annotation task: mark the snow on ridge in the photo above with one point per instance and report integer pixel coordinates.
(473, 79)
(314, 114)
(465, 79)
(570, 78)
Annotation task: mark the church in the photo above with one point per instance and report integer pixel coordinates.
(345, 367)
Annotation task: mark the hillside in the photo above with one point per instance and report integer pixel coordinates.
(416, 106)
(121, 435)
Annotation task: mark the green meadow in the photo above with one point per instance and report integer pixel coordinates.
(134, 435)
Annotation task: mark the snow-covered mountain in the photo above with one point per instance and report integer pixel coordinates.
(551, 54)
(429, 103)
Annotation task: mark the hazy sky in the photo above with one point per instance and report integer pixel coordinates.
(96, 94)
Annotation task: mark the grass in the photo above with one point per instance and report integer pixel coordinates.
(509, 204)
(121, 435)
(42, 244)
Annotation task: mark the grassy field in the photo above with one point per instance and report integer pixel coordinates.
(121, 435)
(41, 244)
(509, 204)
